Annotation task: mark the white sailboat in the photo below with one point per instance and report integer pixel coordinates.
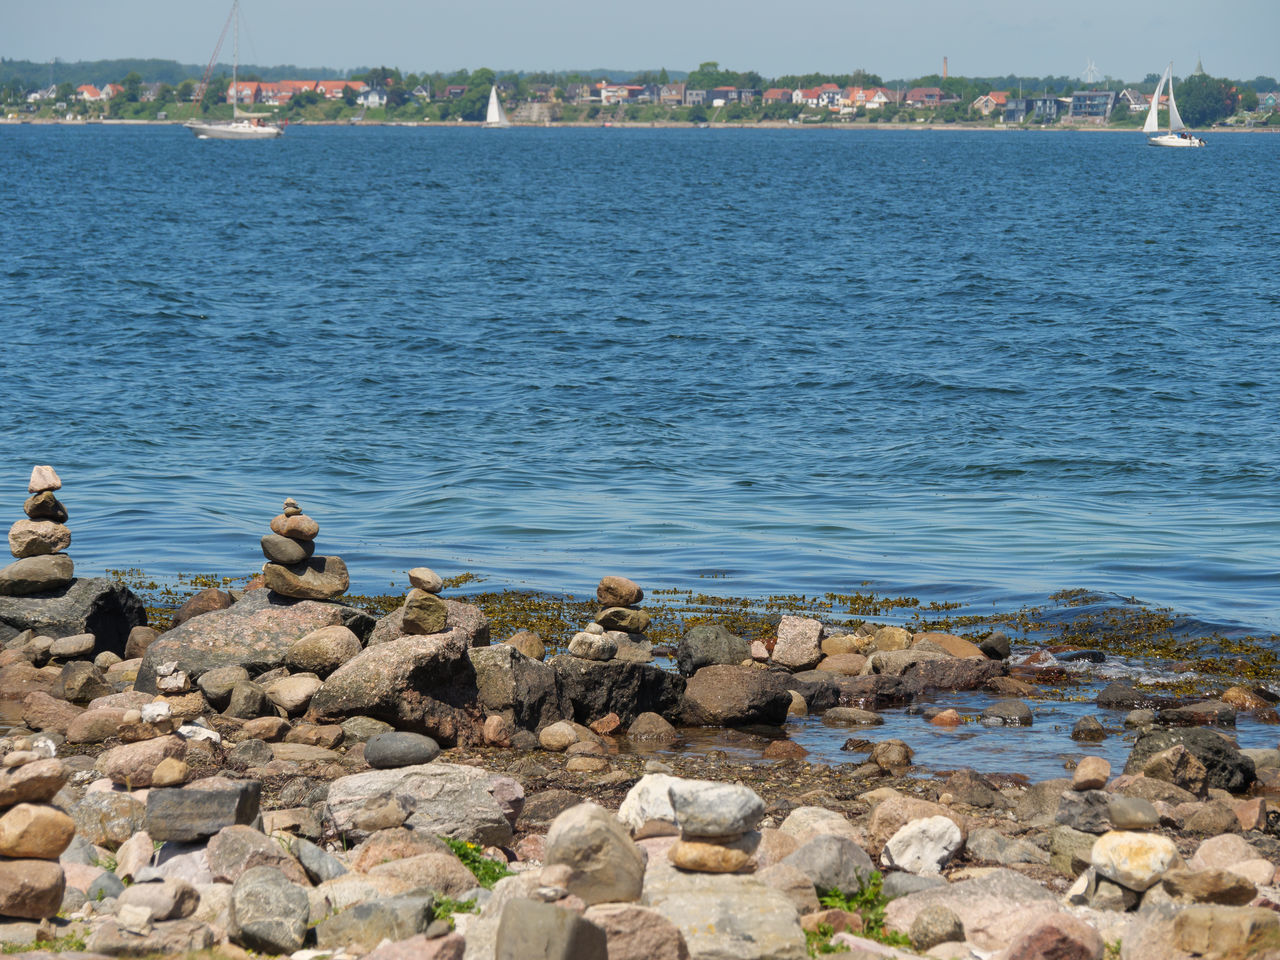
(1177, 135)
(242, 126)
(496, 116)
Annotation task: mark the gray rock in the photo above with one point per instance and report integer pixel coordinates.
(286, 550)
(319, 578)
(247, 700)
(1226, 767)
(384, 751)
(106, 818)
(632, 647)
(360, 729)
(1007, 712)
(651, 727)
(529, 930)
(933, 925)
(235, 849)
(217, 684)
(104, 885)
(1132, 813)
(1089, 729)
(365, 925)
(590, 689)
(708, 645)
(252, 752)
(319, 864)
(202, 808)
(1087, 811)
(832, 863)
(268, 913)
(36, 575)
(992, 847)
(899, 884)
(423, 613)
(734, 696)
(590, 646)
(518, 687)
(991, 907)
(104, 608)
(707, 808)
(606, 866)
(996, 646)
(324, 651)
(167, 900)
(81, 682)
(1069, 850)
(173, 938)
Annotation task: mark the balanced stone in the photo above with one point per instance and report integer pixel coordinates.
(38, 538)
(45, 506)
(43, 478)
(291, 508)
(299, 527)
(320, 578)
(590, 646)
(705, 808)
(36, 575)
(286, 550)
(618, 592)
(424, 612)
(626, 619)
(424, 578)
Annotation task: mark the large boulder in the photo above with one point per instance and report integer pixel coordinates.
(256, 633)
(605, 866)
(438, 798)
(421, 683)
(520, 688)
(993, 907)
(709, 644)
(1225, 766)
(105, 608)
(268, 913)
(953, 673)
(590, 689)
(734, 696)
(464, 618)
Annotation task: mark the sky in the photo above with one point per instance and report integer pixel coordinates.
(1124, 39)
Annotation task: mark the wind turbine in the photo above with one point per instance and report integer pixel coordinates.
(1091, 72)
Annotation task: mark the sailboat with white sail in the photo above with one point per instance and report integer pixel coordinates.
(242, 126)
(495, 117)
(1177, 135)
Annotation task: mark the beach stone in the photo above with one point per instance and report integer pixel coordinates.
(45, 506)
(852, 715)
(923, 846)
(606, 866)
(592, 647)
(1132, 813)
(893, 756)
(991, 846)
(446, 799)
(626, 619)
(530, 930)
(646, 810)
(633, 647)
(1209, 886)
(74, 647)
(1220, 931)
(558, 736)
(38, 538)
(793, 884)
(167, 900)
(1057, 936)
(94, 726)
(709, 644)
(1242, 698)
(634, 932)
(893, 813)
(106, 818)
(131, 764)
(43, 478)
(201, 602)
(105, 608)
(521, 689)
(529, 644)
(590, 689)
(134, 855)
(1222, 852)
(201, 809)
(31, 889)
(424, 613)
(845, 664)
(35, 831)
(237, 848)
(1091, 773)
(892, 638)
(1178, 766)
(1134, 860)
(934, 925)
(320, 578)
(726, 695)
(706, 808)
(296, 527)
(81, 682)
(33, 575)
(1212, 817)
(41, 711)
(365, 925)
(1225, 767)
(293, 694)
(323, 651)
(832, 863)
(217, 684)
(951, 644)
(137, 641)
(732, 856)
(805, 823)
(1194, 714)
(992, 907)
(463, 618)
(1088, 729)
(613, 591)
(1088, 810)
(286, 550)
(248, 700)
(268, 913)
(425, 579)
(799, 643)
(385, 751)
(1007, 712)
(651, 727)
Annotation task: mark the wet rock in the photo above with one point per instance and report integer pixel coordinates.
(950, 673)
(590, 689)
(734, 696)
(710, 645)
(853, 716)
(268, 913)
(1120, 696)
(1206, 712)
(893, 756)
(1008, 713)
(606, 866)
(1088, 729)
(996, 646)
(1225, 767)
(651, 727)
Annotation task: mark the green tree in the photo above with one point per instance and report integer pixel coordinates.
(697, 114)
(349, 96)
(1203, 100)
(66, 92)
(215, 93)
(662, 77)
(186, 90)
(1120, 112)
(132, 84)
(1249, 99)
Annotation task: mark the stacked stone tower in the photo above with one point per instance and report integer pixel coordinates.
(39, 541)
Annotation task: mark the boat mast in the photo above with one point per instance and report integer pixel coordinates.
(235, 60)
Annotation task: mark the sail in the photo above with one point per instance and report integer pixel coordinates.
(1175, 121)
(1153, 115)
(496, 116)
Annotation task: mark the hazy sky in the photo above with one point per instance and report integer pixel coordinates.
(1124, 38)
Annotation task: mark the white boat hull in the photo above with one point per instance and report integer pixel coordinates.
(1173, 140)
(233, 130)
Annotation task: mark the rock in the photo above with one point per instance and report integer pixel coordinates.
(632, 647)
(399, 749)
(923, 846)
(253, 753)
(1134, 860)
(137, 641)
(934, 925)
(589, 646)
(893, 756)
(248, 700)
(1210, 818)
(646, 810)
(637, 933)
(793, 884)
(832, 863)
(1058, 936)
(1088, 729)
(1226, 768)
(521, 689)
(38, 538)
(75, 647)
(134, 854)
(529, 930)
(463, 618)
(45, 506)
(951, 644)
(615, 591)
(710, 645)
(893, 813)
(286, 550)
(985, 844)
(104, 608)
(626, 619)
(559, 736)
(706, 808)
(319, 865)
(35, 831)
(268, 913)
(81, 682)
(323, 651)
(201, 809)
(805, 823)
(991, 907)
(365, 925)
(1242, 698)
(237, 848)
(799, 643)
(132, 764)
(590, 689)
(846, 664)
(1091, 773)
(426, 579)
(731, 856)
(852, 715)
(201, 602)
(40, 711)
(1209, 886)
(293, 694)
(450, 946)
(424, 613)
(605, 864)
(1195, 714)
(1178, 766)
(107, 819)
(255, 633)
(1007, 712)
(651, 727)
(529, 644)
(43, 479)
(734, 696)
(498, 731)
(1088, 810)
(446, 799)
(31, 889)
(319, 578)
(34, 575)
(1132, 813)
(166, 900)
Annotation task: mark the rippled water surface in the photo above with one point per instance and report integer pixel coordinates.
(974, 367)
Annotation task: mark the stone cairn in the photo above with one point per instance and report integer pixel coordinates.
(717, 823)
(618, 631)
(38, 541)
(424, 611)
(291, 570)
(33, 834)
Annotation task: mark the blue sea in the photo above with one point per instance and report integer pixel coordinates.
(967, 367)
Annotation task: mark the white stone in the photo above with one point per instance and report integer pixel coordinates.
(191, 731)
(923, 846)
(1134, 860)
(646, 810)
(155, 711)
(43, 477)
(705, 808)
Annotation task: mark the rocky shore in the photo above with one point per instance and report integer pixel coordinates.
(281, 772)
